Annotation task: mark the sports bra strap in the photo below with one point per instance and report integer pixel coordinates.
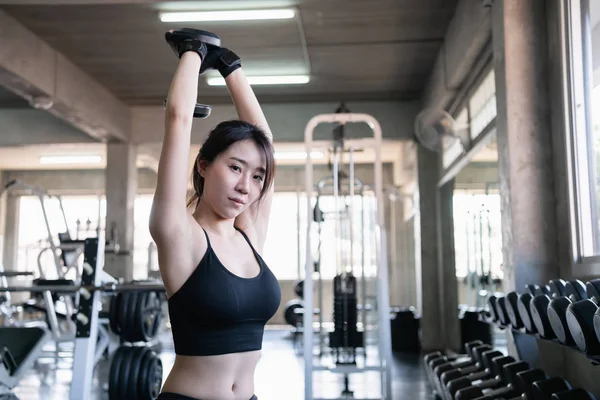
(245, 237)
(207, 239)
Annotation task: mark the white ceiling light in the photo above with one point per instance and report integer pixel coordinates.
(296, 155)
(71, 159)
(233, 15)
(265, 80)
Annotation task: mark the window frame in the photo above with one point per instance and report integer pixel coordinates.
(579, 151)
(462, 102)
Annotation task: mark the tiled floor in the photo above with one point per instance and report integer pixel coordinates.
(279, 376)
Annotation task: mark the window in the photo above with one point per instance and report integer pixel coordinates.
(477, 233)
(583, 80)
(81, 213)
(482, 105)
(284, 233)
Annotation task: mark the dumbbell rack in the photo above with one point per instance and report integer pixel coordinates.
(521, 334)
(383, 342)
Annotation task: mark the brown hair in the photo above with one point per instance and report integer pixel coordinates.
(219, 139)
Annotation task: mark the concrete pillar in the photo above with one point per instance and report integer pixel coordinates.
(448, 294)
(11, 233)
(524, 143)
(2, 216)
(398, 282)
(121, 188)
(426, 235)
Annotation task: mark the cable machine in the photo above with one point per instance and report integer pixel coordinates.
(348, 335)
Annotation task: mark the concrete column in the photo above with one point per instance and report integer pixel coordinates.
(524, 143)
(11, 233)
(398, 282)
(448, 295)
(2, 215)
(121, 188)
(426, 234)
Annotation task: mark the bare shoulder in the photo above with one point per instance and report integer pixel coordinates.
(179, 254)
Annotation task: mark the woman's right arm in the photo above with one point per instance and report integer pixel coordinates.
(169, 218)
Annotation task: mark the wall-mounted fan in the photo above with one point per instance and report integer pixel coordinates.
(432, 125)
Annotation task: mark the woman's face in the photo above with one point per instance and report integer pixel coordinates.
(233, 181)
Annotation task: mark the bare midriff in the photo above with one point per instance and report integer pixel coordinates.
(220, 377)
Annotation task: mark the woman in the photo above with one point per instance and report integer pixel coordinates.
(220, 291)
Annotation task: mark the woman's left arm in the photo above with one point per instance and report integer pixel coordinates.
(255, 220)
(245, 101)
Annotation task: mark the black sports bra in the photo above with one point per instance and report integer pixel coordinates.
(217, 312)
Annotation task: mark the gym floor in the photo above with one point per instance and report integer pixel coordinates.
(50, 380)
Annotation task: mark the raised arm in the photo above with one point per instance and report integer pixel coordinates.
(245, 101)
(255, 220)
(169, 214)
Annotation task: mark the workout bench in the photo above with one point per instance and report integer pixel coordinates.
(19, 348)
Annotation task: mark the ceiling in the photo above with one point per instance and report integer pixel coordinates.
(354, 49)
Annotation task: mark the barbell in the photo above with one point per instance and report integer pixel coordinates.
(110, 287)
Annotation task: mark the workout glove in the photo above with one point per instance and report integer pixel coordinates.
(180, 45)
(222, 59)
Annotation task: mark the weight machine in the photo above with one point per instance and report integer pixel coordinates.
(59, 332)
(346, 337)
(326, 187)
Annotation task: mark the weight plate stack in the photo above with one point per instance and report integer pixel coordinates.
(136, 316)
(135, 373)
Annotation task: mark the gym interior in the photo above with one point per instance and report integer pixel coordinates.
(436, 217)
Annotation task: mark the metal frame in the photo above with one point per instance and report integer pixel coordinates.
(384, 334)
(86, 336)
(322, 187)
(575, 59)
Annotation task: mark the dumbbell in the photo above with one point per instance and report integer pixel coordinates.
(477, 371)
(539, 308)
(580, 319)
(437, 354)
(557, 310)
(458, 360)
(525, 381)
(491, 302)
(435, 360)
(575, 394)
(512, 310)
(200, 110)
(476, 353)
(535, 385)
(502, 386)
(543, 390)
(493, 370)
(520, 386)
(468, 364)
(524, 305)
(503, 319)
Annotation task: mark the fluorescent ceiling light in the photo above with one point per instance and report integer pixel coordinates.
(80, 159)
(233, 15)
(296, 155)
(265, 80)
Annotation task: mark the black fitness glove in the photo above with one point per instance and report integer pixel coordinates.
(180, 43)
(222, 59)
